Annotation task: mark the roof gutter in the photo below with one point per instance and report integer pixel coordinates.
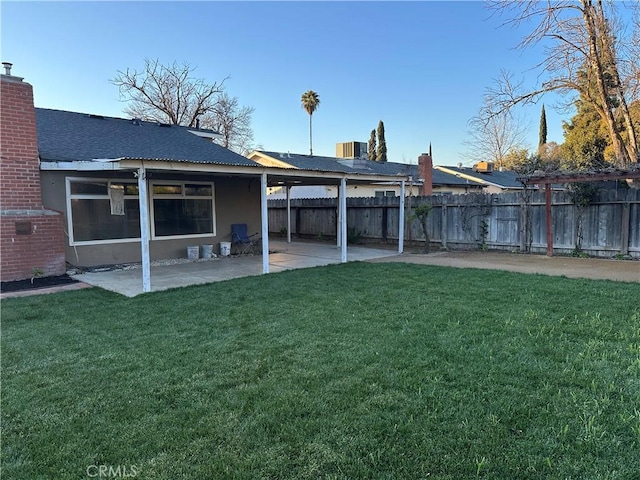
(112, 164)
(82, 166)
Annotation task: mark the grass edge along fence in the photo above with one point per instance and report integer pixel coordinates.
(608, 227)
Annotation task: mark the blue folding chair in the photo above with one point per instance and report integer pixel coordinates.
(241, 241)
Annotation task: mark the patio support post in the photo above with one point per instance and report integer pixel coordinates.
(288, 214)
(264, 214)
(343, 219)
(144, 229)
(401, 219)
(339, 220)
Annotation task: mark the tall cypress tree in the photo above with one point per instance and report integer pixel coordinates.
(543, 128)
(371, 148)
(382, 144)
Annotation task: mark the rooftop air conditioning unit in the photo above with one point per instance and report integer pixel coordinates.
(483, 167)
(351, 150)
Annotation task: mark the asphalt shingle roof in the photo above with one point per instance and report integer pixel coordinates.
(362, 166)
(70, 137)
(305, 162)
(505, 178)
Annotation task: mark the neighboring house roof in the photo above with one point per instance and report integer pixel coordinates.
(502, 179)
(304, 162)
(70, 137)
(438, 178)
(354, 165)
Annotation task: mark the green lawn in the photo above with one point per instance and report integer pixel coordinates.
(347, 371)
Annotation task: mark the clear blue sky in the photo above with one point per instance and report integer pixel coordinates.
(421, 67)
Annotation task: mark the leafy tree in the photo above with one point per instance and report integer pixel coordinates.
(585, 139)
(550, 155)
(371, 147)
(634, 112)
(310, 102)
(167, 93)
(546, 161)
(543, 128)
(381, 155)
(515, 158)
(579, 40)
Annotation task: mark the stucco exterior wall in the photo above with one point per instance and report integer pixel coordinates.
(237, 200)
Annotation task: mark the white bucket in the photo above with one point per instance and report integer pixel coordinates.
(225, 249)
(206, 251)
(193, 252)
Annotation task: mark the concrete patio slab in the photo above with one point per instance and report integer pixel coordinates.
(284, 256)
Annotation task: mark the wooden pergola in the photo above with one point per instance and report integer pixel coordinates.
(548, 179)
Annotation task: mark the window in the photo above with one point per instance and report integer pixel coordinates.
(108, 211)
(385, 193)
(102, 210)
(182, 209)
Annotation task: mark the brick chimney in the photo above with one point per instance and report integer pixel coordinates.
(425, 172)
(31, 237)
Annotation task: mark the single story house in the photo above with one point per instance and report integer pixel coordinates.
(441, 182)
(91, 190)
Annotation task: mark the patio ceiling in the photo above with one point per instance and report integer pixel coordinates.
(275, 176)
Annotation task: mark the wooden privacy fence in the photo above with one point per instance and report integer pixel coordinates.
(608, 226)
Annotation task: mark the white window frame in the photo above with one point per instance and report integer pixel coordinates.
(154, 196)
(77, 196)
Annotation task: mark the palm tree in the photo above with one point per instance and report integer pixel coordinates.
(310, 102)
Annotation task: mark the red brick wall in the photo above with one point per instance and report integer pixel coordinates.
(20, 173)
(41, 250)
(31, 238)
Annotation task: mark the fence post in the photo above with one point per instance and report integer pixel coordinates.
(549, 220)
(523, 221)
(624, 236)
(443, 233)
(298, 220)
(385, 221)
(401, 219)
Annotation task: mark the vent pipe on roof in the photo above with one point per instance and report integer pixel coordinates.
(7, 67)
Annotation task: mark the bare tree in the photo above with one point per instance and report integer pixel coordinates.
(231, 121)
(167, 93)
(582, 55)
(493, 136)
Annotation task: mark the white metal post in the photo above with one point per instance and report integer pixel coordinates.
(288, 214)
(401, 220)
(343, 219)
(339, 219)
(264, 214)
(144, 229)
